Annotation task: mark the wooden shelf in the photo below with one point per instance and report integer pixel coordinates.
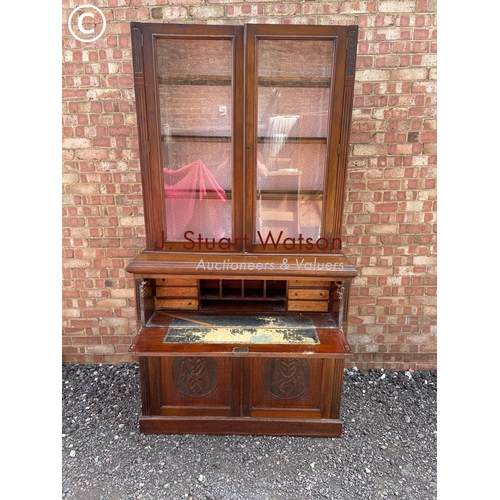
(225, 138)
(268, 194)
(239, 297)
(295, 140)
(225, 81)
(309, 82)
(243, 290)
(207, 195)
(203, 80)
(195, 138)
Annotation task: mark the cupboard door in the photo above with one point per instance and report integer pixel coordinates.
(287, 387)
(194, 385)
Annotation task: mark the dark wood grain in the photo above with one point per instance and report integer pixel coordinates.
(237, 425)
(322, 266)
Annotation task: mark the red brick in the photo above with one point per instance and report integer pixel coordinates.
(390, 212)
(421, 33)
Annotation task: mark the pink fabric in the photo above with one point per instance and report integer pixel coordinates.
(183, 188)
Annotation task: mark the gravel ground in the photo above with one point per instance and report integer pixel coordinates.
(388, 448)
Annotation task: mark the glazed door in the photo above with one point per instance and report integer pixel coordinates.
(292, 100)
(196, 133)
(243, 147)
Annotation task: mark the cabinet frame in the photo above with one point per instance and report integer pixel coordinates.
(249, 386)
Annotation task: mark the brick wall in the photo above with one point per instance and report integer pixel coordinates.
(390, 214)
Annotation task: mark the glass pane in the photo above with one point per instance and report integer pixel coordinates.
(195, 95)
(294, 78)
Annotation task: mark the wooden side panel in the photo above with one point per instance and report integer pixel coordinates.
(337, 381)
(145, 300)
(145, 385)
(345, 126)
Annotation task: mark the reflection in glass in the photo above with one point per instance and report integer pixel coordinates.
(195, 96)
(294, 78)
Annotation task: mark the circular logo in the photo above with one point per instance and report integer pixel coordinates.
(87, 23)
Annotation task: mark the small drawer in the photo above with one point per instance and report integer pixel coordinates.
(177, 291)
(308, 283)
(308, 293)
(174, 281)
(177, 303)
(308, 305)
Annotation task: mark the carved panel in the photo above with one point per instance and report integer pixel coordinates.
(351, 52)
(287, 378)
(195, 376)
(136, 52)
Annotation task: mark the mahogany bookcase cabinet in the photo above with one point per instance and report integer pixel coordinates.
(242, 292)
